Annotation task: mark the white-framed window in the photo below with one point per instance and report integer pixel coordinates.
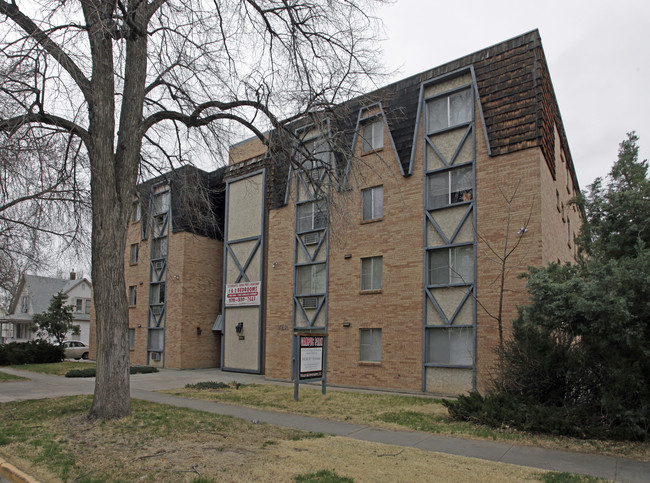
(87, 306)
(24, 304)
(372, 200)
(371, 276)
(372, 134)
(312, 216)
(451, 265)
(136, 212)
(450, 187)
(131, 338)
(370, 345)
(133, 295)
(450, 110)
(159, 248)
(79, 306)
(134, 253)
(451, 346)
(158, 293)
(310, 279)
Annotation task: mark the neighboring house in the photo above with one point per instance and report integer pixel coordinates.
(386, 238)
(33, 297)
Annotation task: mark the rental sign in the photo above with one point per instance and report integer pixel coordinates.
(243, 294)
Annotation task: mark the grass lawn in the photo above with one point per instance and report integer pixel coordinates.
(54, 369)
(397, 412)
(4, 377)
(53, 440)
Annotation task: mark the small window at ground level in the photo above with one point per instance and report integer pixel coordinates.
(133, 295)
(370, 345)
(131, 338)
(451, 346)
(371, 273)
(372, 203)
(450, 187)
(373, 136)
(451, 265)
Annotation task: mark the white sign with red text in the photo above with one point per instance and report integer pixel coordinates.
(243, 294)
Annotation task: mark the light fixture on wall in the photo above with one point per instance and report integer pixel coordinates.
(239, 328)
(198, 331)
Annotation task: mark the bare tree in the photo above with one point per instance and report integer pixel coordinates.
(138, 81)
(507, 256)
(43, 201)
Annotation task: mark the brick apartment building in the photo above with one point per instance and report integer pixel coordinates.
(384, 233)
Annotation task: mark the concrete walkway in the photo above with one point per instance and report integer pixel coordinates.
(143, 386)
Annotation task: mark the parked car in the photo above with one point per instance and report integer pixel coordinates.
(73, 349)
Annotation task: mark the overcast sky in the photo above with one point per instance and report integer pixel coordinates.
(598, 54)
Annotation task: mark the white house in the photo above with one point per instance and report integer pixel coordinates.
(33, 297)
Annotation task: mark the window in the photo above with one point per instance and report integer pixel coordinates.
(134, 254)
(137, 212)
(79, 306)
(87, 306)
(372, 203)
(133, 295)
(450, 187)
(451, 265)
(159, 248)
(451, 346)
(158, 293)
(21, 331)
(312, 216)
(373, 136)
(450, 110)
(161, 202)
(370, 347)
(371, 273)
(314, 154)
(156, 340)
(24, 304)
(131, 339)
(310, 279)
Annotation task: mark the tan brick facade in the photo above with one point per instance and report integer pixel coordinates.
(524, 181)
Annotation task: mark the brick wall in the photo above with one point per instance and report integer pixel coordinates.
(194, 283)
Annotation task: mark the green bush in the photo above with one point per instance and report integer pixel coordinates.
(32, 352)
(89, 372)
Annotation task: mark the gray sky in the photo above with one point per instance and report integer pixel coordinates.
(598, 54)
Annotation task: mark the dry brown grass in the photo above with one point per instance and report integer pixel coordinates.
(54, 441)
(399, 412)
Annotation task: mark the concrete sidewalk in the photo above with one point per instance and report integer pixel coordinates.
(143, 386)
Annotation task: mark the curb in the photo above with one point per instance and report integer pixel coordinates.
(13, 474)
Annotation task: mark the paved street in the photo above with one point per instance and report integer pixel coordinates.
(143, 386)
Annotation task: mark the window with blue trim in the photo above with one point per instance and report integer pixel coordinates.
(450, 187)
(450, 110)
(451, 265)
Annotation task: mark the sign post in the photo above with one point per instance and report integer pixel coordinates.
(310, 363)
